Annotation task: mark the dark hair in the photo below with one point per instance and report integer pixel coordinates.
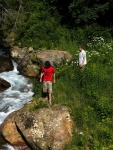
(47, 64)
(80, 46)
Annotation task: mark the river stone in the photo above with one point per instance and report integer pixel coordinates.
(4, 85)
(10, 133)
(5, 64)
(26, 60)
(28, 70)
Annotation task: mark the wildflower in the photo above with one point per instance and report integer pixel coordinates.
(101, 38)
(81, 133)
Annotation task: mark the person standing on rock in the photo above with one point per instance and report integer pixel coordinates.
(47, 75)
(82, 57)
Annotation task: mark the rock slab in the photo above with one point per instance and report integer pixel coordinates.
(46, 128)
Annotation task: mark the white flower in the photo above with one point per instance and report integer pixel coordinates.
(81, 133)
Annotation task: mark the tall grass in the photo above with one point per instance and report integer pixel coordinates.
(67, 45)
(88, 95)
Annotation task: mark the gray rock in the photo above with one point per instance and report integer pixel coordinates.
(25, 59)
(46, 128)
(43, 129)
(29, 61)
(54, 56)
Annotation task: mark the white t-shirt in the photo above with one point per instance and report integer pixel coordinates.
(82, 55)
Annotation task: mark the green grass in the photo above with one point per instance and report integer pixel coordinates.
(89, 97)
(70, 46)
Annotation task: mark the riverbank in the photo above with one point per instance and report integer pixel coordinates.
(17, 95)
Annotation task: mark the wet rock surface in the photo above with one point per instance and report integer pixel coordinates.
(4, 85)
(5, 64)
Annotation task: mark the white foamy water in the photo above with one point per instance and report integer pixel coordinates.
(16, 96)
(8, 147)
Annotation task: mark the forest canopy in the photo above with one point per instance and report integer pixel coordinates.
(47, 21)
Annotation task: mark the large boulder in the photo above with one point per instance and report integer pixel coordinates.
(29, 70)
(18, 54)
(5, 64)
(26, 60)
(54, 56)
(29, 61)
(11, 134)
(4, 85)
(46, 128)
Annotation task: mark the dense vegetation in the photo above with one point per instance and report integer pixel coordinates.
(88, 95)
(44, 24)
(59, 24)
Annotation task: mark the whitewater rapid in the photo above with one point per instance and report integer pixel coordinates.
(16, 96)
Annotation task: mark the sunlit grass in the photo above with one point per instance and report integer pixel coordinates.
(88, 95)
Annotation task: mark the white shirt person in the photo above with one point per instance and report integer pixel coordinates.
(82, 57)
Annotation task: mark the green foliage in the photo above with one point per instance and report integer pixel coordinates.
(80, 12)
(40, 29)
(39, 23)
(12, 16)
(89, 11)
(38, 105)
(88, 95)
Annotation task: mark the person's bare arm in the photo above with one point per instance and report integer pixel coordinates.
(41, 75)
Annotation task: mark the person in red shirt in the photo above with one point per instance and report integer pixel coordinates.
(47, 75)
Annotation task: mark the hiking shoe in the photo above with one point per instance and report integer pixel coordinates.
(50, 103)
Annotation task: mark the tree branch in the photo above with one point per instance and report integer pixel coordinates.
(5, 9)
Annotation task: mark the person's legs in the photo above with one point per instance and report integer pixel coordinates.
(45, 92)
(50, 92)
(50, 98)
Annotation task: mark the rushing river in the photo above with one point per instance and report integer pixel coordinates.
(16, 96)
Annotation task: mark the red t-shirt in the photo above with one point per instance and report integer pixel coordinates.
(48, 72)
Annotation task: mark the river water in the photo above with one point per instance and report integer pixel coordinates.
(14, 97)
